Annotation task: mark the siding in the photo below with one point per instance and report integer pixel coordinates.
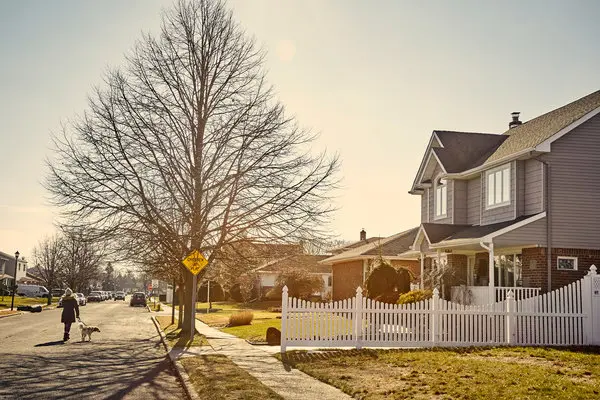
(520, 188)
(499, 214)
(530, 234)
(534, 184)
(473, 201)
(424, 206)
(460, 202)
(575, 187)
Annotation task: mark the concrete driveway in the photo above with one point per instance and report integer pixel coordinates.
(124, 361)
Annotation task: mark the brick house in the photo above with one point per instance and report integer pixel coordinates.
(493, 204)
(351, 264)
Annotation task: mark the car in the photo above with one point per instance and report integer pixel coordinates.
(119, 296)
(57, 292)
(138, 298)
(81, 299)
(94, 296)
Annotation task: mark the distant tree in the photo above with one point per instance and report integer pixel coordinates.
(108, 282)
(186, 147)
(48, 257)
(81, 261)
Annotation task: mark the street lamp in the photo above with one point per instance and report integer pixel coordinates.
(12, 302)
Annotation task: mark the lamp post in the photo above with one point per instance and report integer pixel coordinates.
(12, 302)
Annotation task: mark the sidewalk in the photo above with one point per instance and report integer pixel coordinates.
(289, 383)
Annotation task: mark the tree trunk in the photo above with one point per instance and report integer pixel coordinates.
(187, 314)
(181, 301)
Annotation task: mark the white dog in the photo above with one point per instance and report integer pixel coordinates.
(87, 330)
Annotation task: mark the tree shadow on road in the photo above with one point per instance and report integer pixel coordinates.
(54, 343)
(115, 370)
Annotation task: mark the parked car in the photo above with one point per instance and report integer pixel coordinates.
(32, 291)
(119, 296)
(56, 292)
(81, 299)
(95, 296)
(138, 298)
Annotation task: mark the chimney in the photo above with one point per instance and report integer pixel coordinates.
(363, 234)
(515, 120)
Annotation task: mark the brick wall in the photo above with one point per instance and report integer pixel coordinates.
(535, 273)
(458, 262)
(347, 276)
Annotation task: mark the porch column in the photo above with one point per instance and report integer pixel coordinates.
(491, 272)
(422, 271)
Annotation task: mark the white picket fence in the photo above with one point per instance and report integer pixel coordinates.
(567, 316)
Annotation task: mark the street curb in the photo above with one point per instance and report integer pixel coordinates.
(11, 315)
(183, 375)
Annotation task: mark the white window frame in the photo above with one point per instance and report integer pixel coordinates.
(505, 197)
(574, 259)
(443, 202)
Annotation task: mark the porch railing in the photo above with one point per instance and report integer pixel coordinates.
(519, 292)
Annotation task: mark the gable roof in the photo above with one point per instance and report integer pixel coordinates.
(539, 129)
(389, 247)
(354, 245)
(465, 150)
(307, 262)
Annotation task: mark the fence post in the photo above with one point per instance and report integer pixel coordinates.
(358, 318)
(284, 312)
(434, 316)
(587, 299)
(511, 327)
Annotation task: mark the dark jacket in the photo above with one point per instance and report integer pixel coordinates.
(70, 309)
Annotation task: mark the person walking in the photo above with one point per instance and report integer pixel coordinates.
(70, 312)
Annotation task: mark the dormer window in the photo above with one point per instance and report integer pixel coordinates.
(498, 186)
(441, 198)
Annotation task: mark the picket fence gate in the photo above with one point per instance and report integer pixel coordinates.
(566, 316)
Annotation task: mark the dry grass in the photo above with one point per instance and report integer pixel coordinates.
(215, 377)
(240, 318)
(173, 334)
(476, 373)
(25, 301)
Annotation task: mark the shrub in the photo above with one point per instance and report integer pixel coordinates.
(273, 293)
(240, 318)
(381, 280)
(415, 296)
(300, 283)
(388, 298)
(216, 292)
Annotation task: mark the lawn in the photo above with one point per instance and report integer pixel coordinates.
(473, 373)
(215, 377)
(173, 334)
(24, 301)
(256, 332)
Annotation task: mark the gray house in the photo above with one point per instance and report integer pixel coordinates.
(493, 204)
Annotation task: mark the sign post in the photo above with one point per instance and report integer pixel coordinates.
(194, 262)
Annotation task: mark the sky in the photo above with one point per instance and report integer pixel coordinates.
(374, 79)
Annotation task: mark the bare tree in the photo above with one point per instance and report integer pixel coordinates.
(186, 147)
(47, 257)
(82, 257)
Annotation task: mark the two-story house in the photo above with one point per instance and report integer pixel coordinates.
(7, 269)
(515, 210)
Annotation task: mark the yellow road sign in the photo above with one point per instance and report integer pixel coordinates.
(195, 262)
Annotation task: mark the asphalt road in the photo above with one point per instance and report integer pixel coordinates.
(124, 361)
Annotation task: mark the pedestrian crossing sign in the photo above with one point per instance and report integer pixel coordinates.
(195, 262)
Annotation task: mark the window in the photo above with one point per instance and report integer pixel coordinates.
(498, 186)
(329, 281)
(567, 263)
(441, 198)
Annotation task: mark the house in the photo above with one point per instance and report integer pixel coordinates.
(7, 269)
(351, 264)
(270, 271)
(513, 211)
